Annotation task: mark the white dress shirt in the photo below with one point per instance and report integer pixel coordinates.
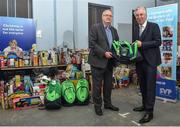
(142, 27)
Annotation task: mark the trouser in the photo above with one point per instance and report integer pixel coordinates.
(102, 77)
(147, 80)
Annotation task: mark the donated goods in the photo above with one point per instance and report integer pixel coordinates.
(53, 57)
(82, 92)
(78, 57)
(4, 101)
(67, 57)
(45, 79)
(35, 59)
(78, 74)
(125, 52)
(11, 56)
(2, 60)
(121, 76)
(26, 58)
(73, 59)
(2, 94)
(62, 59)
(16, 97)
(11, 62)
(16, 63)
(2, 63)
(52, 98)
(10, 85)
(21, 62)
(85, 67)
(85, 56)
(26, 102)
(28, 84)
(39, 89)
(68, 93)
(17, 80)
(71, 70)
(44, 58)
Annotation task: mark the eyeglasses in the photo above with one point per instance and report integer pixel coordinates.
(108, 15)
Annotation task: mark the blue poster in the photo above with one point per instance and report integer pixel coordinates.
(20, 30)
(167, 19)
(166, 89)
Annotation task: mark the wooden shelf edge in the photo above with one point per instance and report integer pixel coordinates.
(29, 67)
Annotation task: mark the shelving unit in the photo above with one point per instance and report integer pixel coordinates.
(29, 67)
(5, 72)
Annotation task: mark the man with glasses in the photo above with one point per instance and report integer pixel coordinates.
(101, 37)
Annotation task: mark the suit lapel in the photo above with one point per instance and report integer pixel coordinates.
(137, 32)
(104, 33)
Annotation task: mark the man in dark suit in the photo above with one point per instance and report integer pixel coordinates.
(149, 40)
(101, 37)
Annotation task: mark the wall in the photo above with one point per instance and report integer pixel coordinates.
(51, 25)
(44, 16)
(125, 31)
(122, 14)
(82, 21)
(65, 23)
(71, 21)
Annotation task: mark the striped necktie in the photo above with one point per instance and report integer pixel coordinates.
(140, 30)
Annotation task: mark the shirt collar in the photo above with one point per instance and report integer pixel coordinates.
(109, 26)
(144, 24)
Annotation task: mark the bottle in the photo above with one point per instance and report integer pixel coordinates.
(35, 59)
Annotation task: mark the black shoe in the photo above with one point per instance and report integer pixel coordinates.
(98, 111)
(146, 118)
(111, 107)
(139, 109)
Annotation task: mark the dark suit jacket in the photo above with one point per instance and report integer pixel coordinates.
(98, 44)
(151, 41)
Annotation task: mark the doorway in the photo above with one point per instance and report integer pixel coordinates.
(95, 13)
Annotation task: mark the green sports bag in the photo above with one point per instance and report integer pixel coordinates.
(68, 93)
(82, 91)
(125, 52)
(52, 98)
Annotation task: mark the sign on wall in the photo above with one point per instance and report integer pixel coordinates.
(20, 29)
(166, 17)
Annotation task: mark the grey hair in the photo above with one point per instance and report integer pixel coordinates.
(106, 10)
(140, 8)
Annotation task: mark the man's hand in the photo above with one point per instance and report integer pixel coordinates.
(108, 55)
(139, 43)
